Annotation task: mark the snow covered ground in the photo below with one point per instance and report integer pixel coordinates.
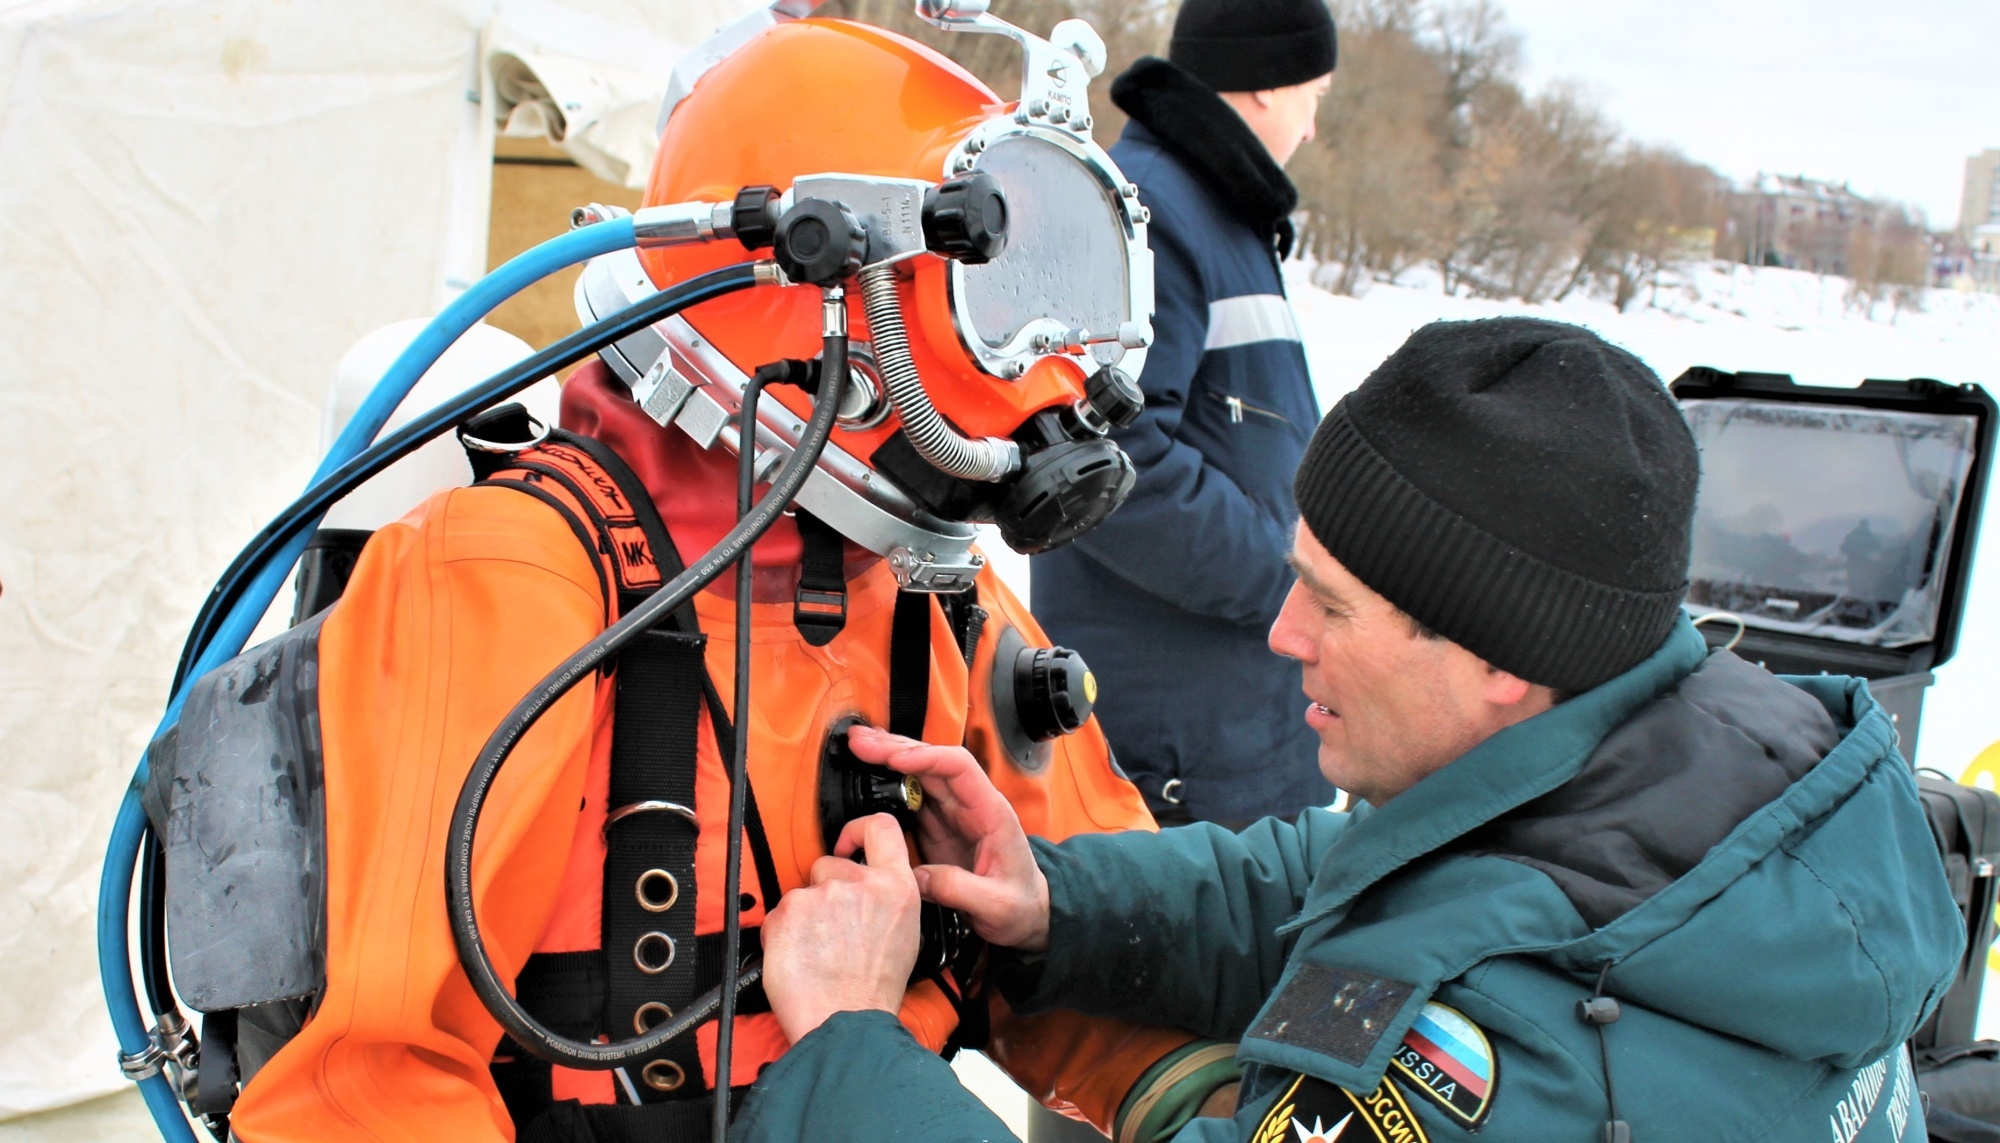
(1718, 313)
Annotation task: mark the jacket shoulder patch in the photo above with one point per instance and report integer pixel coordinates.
(1337, 1012)
(1448, 1059)
(1312, 1110)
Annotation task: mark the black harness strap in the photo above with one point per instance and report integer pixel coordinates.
(819, 607)
(565, 991)
(649, 877)
(217, 1095)
(910, 664)
(967, 619)
(947, 940)
(753, 822)
(324, 569)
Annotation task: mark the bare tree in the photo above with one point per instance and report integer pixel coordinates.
(1372, 184)
(1888, 260)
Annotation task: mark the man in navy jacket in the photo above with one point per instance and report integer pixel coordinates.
(1170, 599)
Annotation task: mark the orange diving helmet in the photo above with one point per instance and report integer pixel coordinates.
(1002, 303)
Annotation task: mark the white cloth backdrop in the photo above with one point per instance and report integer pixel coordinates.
(203, 203)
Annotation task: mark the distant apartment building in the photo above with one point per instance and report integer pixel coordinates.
(1981, 204)
(1985, 268)
(1969, 261)
(1801, 223)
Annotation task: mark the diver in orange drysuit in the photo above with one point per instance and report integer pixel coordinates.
(598, 884)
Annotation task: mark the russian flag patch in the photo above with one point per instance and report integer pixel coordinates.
(1447, 1058)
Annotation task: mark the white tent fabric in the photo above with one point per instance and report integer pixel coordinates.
(203, 204)
(591, 85)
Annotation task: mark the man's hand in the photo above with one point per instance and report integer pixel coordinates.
(983, 868)
(849, 941)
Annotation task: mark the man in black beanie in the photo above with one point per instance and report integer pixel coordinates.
(1170, 598)
(1601, 883)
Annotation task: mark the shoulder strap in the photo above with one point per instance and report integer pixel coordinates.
(651, 958)
(592, 485)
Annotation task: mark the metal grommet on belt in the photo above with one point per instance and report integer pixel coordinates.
(649, 1016)
(663, 1075)
(1171, 791)
(653, 904)
(651, 807)
(646, 966)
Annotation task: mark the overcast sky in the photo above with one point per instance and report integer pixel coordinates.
(1891, 95)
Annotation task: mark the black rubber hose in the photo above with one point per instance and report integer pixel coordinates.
(534, 1038)
(153, 925)
(739, 763)
(385, 452)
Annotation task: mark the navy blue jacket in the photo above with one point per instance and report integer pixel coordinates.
(1170, 600)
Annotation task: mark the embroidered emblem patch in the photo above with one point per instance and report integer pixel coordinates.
(1314, 1111)
(1447, 1058)
(1337, 1012)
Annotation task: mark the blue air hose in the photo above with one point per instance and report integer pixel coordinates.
(115, 887)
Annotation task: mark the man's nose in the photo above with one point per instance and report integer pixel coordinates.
(1287, 639)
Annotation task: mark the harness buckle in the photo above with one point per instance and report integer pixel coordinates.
(825, 610)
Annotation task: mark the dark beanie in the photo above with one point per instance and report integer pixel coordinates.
(1253, 45)
(1521, 487)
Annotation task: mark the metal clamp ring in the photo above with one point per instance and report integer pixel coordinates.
(1170, 792)
(646, 900)
(650, 807)
(143, 1064)
(539, 432)
(663, 1075)
(642, 1025)
(639, 953)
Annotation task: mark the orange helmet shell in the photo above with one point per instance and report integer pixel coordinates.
(830, 95)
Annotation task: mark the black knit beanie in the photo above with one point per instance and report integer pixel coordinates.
(1521, 487)
(1253, 45)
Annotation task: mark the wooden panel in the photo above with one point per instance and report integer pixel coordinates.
(535, 186)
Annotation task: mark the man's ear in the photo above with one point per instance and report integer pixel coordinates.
(1504, 689)
(1264, 99)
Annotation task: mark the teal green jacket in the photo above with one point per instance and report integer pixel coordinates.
(1740, 862)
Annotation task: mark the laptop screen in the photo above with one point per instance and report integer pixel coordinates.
(1825, 521)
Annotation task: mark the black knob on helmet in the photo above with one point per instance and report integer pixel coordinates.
(819, 243)
(966, 218)
(1053, 691)
(1114, 396)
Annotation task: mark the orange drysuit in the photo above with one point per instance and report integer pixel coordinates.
(455, 612)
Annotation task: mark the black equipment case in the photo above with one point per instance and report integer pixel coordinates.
(1796, 481)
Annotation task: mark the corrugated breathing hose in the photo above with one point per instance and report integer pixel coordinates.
(988, 458)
